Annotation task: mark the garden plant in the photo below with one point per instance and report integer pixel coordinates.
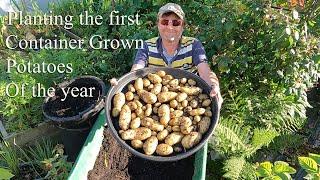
(266, 54)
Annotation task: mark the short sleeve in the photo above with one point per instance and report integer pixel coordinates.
(142, 55)
(198, 53)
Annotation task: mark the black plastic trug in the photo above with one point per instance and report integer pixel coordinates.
(82, 109)
(177, 73)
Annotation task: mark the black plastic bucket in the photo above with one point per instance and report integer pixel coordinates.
(177, 73)
(75, 113)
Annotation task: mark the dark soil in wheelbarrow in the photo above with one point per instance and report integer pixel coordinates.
(114, 162)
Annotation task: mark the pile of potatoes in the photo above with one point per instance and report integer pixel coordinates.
(162, 114)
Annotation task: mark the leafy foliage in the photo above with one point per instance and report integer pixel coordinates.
(233, 167)
(280, 170)
(311, 165)
(5, 174)
(10, 158)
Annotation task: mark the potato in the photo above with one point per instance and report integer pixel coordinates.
(128, 134)
(153, 133)
(169, 128)
(125, 117)
(191, 90)
(203, 96)
(184, 103)
(164, 149)
(146, 82)
(156, 89)
(129, 96)
(185, 122)
(147, 97)
(181, 96)
(191, 140)
(188, 109)
(137, 144)
(166, 96)
(162, 134)
(138, 103)
(156, 126)
(133, 115)
(176, 113)
(186, 130)
(174, 82)
(173, 138)
(192, 82)
(131, 88)
(154, 78)
(206, 103)
(198, 111)
(157, 104)
(208, 113)
(194, 103)
(190, 98)
(173, 103)
(176, 128)
(183, 80)
(164, 89)
(147, 121)
(148, 110)
(136, 97)
(142, 133)
(174, 88)
(150, 145)
(180, 107)
(204, 125)
(167, 77)
(197, 118)
(138, 84)
(150, 87)
(164, 114)
(161, 73)
(118, 101)
(155, 110)
(132, 105)
(139, 113)
(135, 123)
(175, 121)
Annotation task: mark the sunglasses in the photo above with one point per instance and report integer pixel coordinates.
(174, 22)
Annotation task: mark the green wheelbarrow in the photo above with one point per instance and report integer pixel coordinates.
(90, 150)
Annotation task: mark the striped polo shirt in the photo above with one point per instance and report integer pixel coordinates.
(189, 54)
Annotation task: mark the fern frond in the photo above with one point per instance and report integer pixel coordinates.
(262, 137)
(230, 137)
(285, 141)
(248, 172)
(233, 167)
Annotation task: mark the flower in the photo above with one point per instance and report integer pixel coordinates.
(288, 30)
(295, 14)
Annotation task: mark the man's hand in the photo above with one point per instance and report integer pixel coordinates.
(215, 91)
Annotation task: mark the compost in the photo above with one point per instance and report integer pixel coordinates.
(115, 162)
(67, 106)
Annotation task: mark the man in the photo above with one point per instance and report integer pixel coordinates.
(174, 50)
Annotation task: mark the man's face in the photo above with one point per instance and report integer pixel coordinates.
(170, 27)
